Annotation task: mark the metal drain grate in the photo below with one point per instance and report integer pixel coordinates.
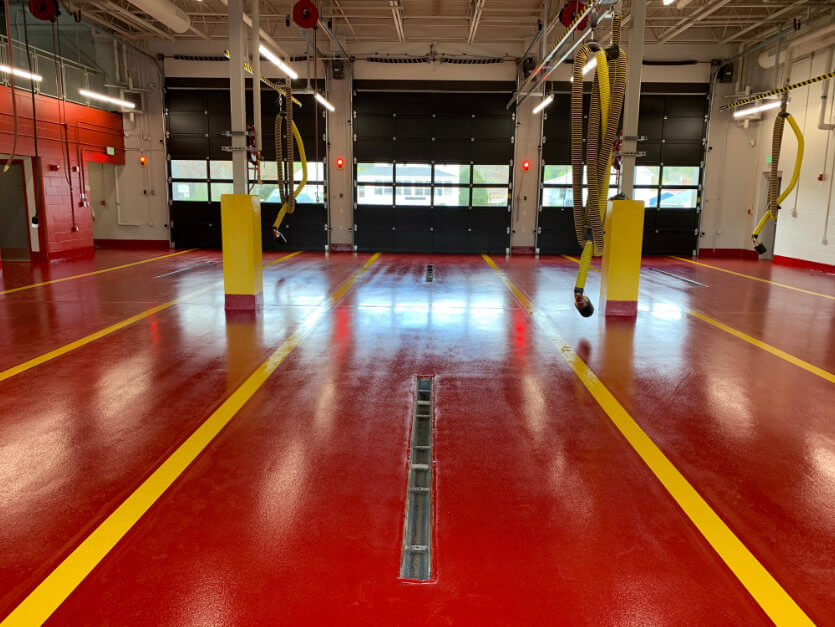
(675, 276)
(430, 273)
(181, 270)
(416, 561)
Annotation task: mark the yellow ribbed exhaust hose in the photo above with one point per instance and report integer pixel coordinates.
(801, 145)
(283, 211)
(771, 210)
(604, 96)
(766, 217)
(585, 263)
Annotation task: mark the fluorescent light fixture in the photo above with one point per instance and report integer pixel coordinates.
(545, 102)
(21, 73)
(97, 96)
(741, 113)
(281, 65)
(324, 102)
(668, 2)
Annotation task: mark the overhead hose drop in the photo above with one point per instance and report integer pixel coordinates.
(608, 91)
(774, 200)
(285, 132)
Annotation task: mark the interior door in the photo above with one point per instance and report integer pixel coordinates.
(14, 214)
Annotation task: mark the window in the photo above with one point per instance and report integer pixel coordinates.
(489, 196)
(679, 198)
(451, 197)
(311, 194)
(375, 173)
(375, 195)
(678, 175)
(220, 170)
(219, 189)
(427, 184)
(557, 185)
(413, 173)
(188, 169)
(491, 174)
(658, 186)
(190, 191)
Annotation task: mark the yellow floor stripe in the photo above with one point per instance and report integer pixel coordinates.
(824, 374)
(41, 359)
(768, 593)
(57, 586)
(79, 276)
(754, 278)
(63, 350)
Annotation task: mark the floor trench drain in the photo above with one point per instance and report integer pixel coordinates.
(416, 559)
(181, 270)
(430, 273)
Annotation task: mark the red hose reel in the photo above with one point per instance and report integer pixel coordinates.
(305, 14)
(570, 12)
(46, 10)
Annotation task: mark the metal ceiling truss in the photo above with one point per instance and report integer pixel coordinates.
(740, 22)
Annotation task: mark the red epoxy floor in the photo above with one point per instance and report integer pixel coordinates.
(294, 513)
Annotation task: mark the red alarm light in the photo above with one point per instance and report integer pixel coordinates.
(340, 163)
(143, 161)
(526, 165)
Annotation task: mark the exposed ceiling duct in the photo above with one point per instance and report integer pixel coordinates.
(165, 12)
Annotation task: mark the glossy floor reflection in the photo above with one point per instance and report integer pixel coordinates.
(293, 514)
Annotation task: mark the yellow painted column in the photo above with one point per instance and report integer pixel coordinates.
(240, 217)
(624, 233)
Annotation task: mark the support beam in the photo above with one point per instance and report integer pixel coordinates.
(254, 48)
(632, 102)
(135, 20)
(265, 36)
(759, 23)
(691, 21)
(397, 13)
(332, 36)
(237, 96)
(475, 18)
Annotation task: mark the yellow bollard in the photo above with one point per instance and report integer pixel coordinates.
(624, 232)
(240, 218)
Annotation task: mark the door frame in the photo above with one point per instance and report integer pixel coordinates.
(22, 164)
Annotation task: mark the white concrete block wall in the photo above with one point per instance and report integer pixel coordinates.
(802, 229)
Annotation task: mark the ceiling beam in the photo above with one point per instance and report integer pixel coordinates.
(135, 19)
(397, 14)
(475, 18)
(689, 21)
(774, 15)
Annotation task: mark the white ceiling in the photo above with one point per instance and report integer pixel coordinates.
(359, 23)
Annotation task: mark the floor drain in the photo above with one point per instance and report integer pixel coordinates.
(416, 561)
(675, 276)
(430, 273)
(181, 270)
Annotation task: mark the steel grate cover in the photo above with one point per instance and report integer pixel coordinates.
(416, 560)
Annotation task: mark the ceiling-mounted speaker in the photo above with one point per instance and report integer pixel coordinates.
(305, 14)
(46, 10)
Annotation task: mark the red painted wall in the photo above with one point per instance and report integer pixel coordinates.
(89, 132)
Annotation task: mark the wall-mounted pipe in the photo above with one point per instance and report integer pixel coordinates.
(164, 11)
(822, 123)
(801, 46)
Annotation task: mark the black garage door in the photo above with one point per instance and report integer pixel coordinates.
(433, 168)
(198, 115)
(668, 178)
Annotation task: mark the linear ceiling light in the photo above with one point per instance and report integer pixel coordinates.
(588, 67)
(21, 73)
(281, 65)
(97, 96)
(668, 2)
(545, 102)
(324, 102)
(741, 113)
